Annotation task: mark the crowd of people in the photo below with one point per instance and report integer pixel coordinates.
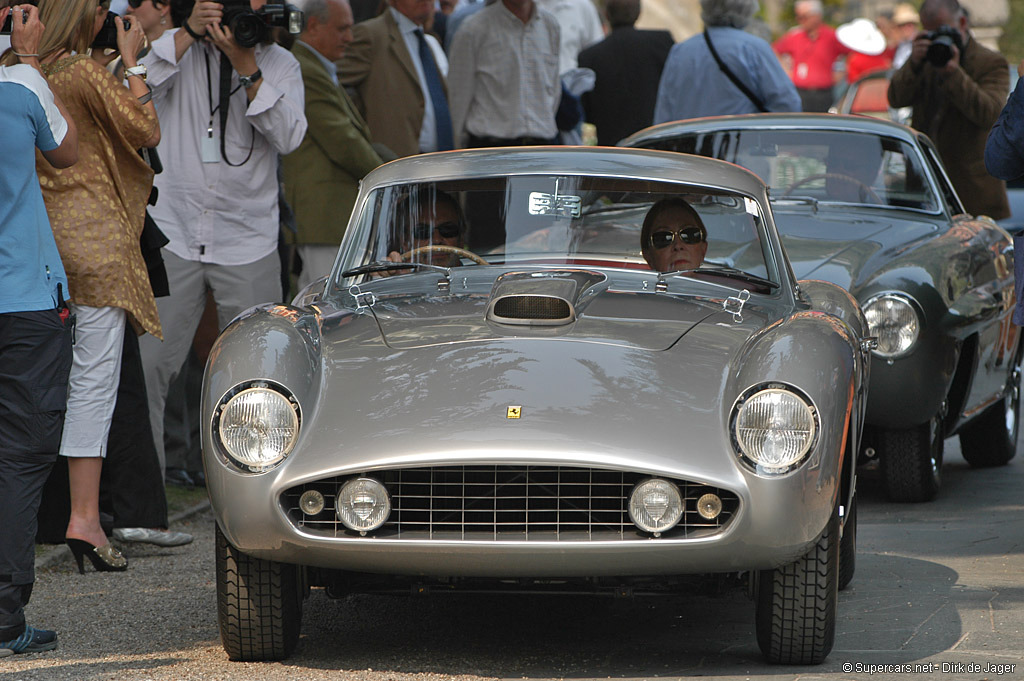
(110, 253)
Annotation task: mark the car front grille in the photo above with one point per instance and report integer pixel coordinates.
(507, 503)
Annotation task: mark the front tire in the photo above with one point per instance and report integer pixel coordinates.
(259, 605)
(911, 461)
(797, 604)
(992, 439)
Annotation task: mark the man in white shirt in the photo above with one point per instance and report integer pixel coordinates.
(399, 74)
(221, 139)
(580, 26)
(504, 76)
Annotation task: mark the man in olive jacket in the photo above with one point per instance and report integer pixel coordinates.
(956, 103)
(321, 177)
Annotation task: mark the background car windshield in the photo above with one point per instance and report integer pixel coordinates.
(556, 220)
(846, 167)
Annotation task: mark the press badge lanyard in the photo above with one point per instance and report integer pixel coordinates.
(210, 151)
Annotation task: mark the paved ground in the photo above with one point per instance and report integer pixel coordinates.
(937, 584)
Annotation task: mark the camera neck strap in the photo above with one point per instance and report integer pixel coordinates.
(224, 99)
(732, 76)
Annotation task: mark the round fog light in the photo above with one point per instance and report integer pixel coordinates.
(655, 506)
(311, 502)
(363, 505)
(709, 506)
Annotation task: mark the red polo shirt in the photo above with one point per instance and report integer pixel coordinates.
(812, 59)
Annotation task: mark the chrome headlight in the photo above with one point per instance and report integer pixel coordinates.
(774, 428)
(363, 504)
(655, 505)
(892, 318)
(257, 425)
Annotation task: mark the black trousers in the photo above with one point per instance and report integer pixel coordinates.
(35, 360)
(131, 486)
(815, 100)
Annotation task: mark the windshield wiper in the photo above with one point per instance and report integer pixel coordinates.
(389, 266)
(726, 271)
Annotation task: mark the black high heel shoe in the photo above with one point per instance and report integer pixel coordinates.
(104, 558)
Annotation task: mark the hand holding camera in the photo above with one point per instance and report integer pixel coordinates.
(26, 32)
(941, 48)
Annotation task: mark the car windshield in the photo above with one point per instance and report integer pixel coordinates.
(557, 220)
(821, 165)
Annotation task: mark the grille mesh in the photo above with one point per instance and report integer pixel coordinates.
(532, 307)
(508, 503)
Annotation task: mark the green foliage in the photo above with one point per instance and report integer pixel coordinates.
(1010, 43)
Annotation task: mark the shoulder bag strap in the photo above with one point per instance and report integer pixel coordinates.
(735, 81)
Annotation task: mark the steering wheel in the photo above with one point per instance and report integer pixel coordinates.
(834, 176)
(461, 252)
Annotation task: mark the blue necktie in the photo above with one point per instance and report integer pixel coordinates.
(442, 117)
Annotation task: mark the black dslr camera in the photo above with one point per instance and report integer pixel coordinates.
(107, 37)
(941, 50)
(250, 27)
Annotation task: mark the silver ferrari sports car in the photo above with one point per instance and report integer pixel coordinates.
(867, 204)
(590, 368)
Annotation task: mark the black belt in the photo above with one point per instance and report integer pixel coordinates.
(475, 141)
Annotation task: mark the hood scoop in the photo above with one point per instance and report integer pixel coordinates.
(548, 298)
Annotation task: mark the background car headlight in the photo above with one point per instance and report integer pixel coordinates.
(258, 427)
(894, 321)
(655, 505)
(774, 428)
(363, 504)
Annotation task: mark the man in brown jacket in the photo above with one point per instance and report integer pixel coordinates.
(398, 72)
(321, 177)
(955, 102)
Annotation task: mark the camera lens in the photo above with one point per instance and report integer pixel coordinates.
(247, 29)
(940, 51)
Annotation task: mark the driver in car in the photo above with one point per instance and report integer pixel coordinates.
(673, 237)
(852, 167)
(428, 227)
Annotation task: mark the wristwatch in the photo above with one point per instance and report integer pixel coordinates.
(249, 81)
(139, 71)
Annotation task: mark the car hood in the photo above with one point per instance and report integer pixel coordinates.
(437, 383)
(849, 249)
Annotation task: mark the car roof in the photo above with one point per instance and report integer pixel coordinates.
(768, 121)
(643, 164)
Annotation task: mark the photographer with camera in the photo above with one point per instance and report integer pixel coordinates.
(957, 88)
(35, 337)
(230, 102)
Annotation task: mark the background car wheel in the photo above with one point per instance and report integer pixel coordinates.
(259, 605)
(911, 461)
(848, 547)
(992, 439)
(797, 604)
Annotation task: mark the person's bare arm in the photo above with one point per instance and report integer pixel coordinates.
(25, 37)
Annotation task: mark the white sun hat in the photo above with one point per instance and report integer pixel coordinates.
(863, 36)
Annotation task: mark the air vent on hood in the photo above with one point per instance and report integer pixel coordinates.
(531, 309)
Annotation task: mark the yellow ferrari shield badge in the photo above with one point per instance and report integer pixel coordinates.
(514, 412)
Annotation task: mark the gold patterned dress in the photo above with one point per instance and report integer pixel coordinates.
(97, 206)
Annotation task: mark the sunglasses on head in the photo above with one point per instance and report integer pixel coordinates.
(687, 235)
(447, 230)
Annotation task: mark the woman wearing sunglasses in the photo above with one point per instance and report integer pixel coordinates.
(153, 15)
(673, 236)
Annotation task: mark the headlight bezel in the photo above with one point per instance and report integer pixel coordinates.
(903, 299)
(746, 456)
(223, 449)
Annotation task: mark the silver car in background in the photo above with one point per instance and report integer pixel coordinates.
(493, 387)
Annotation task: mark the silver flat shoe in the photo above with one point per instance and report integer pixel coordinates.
(145, 535)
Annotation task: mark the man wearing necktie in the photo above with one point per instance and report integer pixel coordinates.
(398, 74)
(336, 152)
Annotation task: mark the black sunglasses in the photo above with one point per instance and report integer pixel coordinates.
(135, 4)
(448, 230)
(687, 235)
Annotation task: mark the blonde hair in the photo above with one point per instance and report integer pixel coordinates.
(69, 25)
